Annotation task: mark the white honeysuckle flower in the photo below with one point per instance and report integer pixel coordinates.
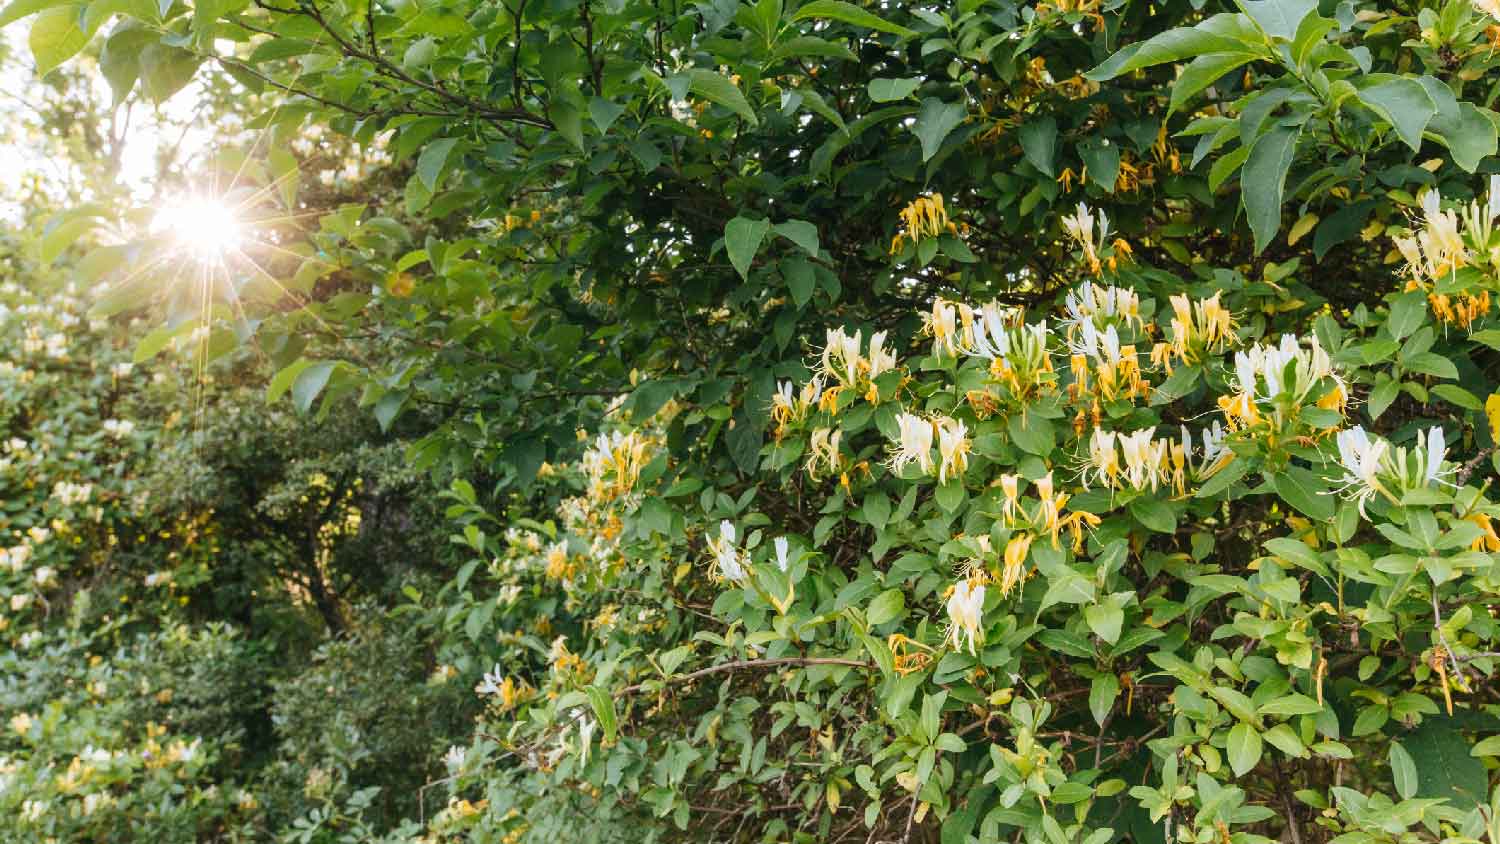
(491, 683)
(1104, 461)
(454, 758)
(785, 395)
(991, 341)
(965, 609)
(841, 355)
(586, 727)
(1432, 458)
(953, 448)
(1139, 456)
(727, 555)
(915, 443)
(1361, 457)
(118, 428)
(782, 548)
(881, 360)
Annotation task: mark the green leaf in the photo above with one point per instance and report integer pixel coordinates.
(55, 37)
(1403, 771)
(1285, 739)
(1102, 159)
(64, 230)
(950, 495)
(744, 441)
(604, 112)
(1381, 397)
(604, 709)
(1235, 701)
(1225, 166)
(433, 159)
(809, 45)
(887, 606)
(569, 122)
(849, 13)
(1341, 226)
(478, 619)
(716, 88)
(24, 8)
(1405, 104)
(165, 70)
(1264, 179)
(800, 232)
(388, 408)
(1432, 363)
(309, 383)
(1296, 551)
(1102, 694)
(1154, 514)
(119, 58)
(935, 120)
(1032, 434)
(1243, 748)
(1105, 620)
(279, 384)
(800, 279)
(1445, 770)
(877, 509)
(1291, 704)
(1038, 137)
(890, 90)
(1170, 46)
(1306, 492)
(1204, 71)
(1487, 747)
(1469, 133)
(742, 239)
(1408, 312)
(1279, 18)
(1069, 588)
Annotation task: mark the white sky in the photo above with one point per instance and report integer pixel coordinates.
(26, 151)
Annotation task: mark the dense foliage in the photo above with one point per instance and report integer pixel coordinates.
(1068, 422)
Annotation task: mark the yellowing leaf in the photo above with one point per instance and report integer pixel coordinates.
(1301, 227)
(1492, 413)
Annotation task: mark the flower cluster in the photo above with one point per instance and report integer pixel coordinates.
(1116, 367)
(924, 217)
(915, 440)
(613, 465)
(844, 361)
(1199, 330)
(1437, 248)
(1102, 306)
(1271, 382)
(1372, 466)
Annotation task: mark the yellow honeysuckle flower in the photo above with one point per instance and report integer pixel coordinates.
(1015, 562)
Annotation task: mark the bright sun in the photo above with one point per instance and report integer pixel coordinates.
(203, 226)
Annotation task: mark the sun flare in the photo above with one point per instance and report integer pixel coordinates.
(207, 228)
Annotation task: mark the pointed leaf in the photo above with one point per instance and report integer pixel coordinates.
(716, 88)
(1264, 179)
(742, 239)
(849, 13)
(935, 120)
